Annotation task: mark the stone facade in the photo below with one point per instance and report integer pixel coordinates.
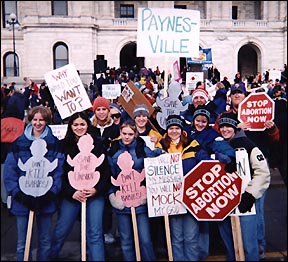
(95, 28)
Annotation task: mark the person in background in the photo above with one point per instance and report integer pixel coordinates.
(104, 127)
(263, 140)
(71, 198)
(22, 151)
(184, 227)
(260, 181)
(130, 142)
(115, 112)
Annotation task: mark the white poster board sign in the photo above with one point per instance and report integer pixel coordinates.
(59, 130)
(164, 178)
(274, 74)
(168, 32)
(67, 90)
(192, 78)
(111, 91)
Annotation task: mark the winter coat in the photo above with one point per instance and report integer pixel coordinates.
(20, 149)
(138, 150)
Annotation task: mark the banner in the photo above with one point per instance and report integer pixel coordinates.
(204, 57)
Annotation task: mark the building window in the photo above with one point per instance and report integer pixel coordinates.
(59, 8)
(235, 12)
(9, 64)
(180, 6)
(127, 11)
(60, 55)
(8, 7)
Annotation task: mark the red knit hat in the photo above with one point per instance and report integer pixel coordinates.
(101, 102)
(200, 92)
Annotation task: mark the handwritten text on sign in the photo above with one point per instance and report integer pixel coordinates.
(164, 31)
(67, 90)
(164, 176)
(36, 182)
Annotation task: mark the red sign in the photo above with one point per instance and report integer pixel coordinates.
(256, 109)
(209, 193)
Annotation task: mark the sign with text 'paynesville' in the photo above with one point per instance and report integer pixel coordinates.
(168, 32)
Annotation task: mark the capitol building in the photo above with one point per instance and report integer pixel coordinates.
(249, 37)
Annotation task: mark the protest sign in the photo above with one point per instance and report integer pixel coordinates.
(111, 91)
(67, 90)
(168, 32)
(164, 176)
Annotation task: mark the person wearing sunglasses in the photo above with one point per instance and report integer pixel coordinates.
(115, 112)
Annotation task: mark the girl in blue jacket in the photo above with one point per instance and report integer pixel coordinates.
(38, 152)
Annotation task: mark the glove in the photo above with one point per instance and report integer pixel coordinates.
(26, 200)
(116, 202)
(247, 201)
(45, 200)
(143, 200)
(222, 158)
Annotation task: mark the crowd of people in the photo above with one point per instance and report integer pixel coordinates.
(207, 129)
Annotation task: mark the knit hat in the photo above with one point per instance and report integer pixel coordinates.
(228, 119)
(140, 110)
(200, 92)
(114, 105)
(240, 87)
(101, 102)
(203, 111)
(174, 120)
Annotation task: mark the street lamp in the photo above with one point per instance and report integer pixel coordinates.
(13, 22)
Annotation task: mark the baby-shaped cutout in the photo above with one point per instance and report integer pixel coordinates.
(36, 182)
(170, 105)
(84, 175)
(129, 181)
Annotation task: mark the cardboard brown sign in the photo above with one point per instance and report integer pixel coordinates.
(132, 96)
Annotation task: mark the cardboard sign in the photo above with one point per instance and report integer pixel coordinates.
(256, 109)
(131, 96)
(209, 193)
(36, 182)
(129, 181)
(67, 90)
(243, 169)
(164, 177)
(84, 175)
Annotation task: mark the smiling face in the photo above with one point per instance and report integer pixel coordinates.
(227, 132)
(200, 122)
(101, 113)
(38, 123)
(79, 127)
(174, 132)
(236, 98)
(141, 121)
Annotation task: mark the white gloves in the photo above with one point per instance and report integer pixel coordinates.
(116, 202)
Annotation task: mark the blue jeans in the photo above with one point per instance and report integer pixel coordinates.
(44, 236)
(125, 228)
(261, 221)
(249, 237)
(184, 237)
(68, 214)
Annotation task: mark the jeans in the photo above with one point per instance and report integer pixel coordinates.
(203, 240)
(44, 237)
(249, 237)
(259, 205)
(184, 237)
(68, 214)
(125, 229)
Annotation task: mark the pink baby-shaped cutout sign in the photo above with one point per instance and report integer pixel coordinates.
(36, 182)
(84, 175)
(129, 181)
